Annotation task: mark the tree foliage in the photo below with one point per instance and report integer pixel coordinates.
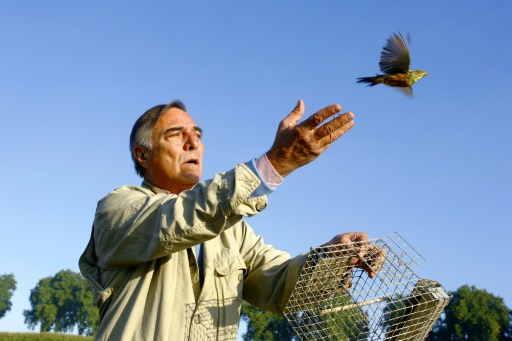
(473, 314)
(333, 324)
(61, 302)
(264, 325)
(267, 326)
(7, 287)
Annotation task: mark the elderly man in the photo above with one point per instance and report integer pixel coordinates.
(173, 259)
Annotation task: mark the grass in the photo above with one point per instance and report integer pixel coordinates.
(42, 337)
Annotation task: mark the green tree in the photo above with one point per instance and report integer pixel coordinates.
(507, 335)
(336, 319)
(264, 325)
(326, 322)
(473, 314)
(7, 287)
(61, 302)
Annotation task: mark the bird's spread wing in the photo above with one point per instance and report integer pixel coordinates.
(395, 55)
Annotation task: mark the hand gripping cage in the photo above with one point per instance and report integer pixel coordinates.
(334, 300)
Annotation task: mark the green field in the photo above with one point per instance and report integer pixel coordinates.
(42, 337)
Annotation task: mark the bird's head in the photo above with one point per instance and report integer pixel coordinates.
(417, 75)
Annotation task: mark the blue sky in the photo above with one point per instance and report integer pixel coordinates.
(74, 76)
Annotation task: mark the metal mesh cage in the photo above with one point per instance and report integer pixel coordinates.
(335, 300)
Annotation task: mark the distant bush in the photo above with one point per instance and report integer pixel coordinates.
(42, 337)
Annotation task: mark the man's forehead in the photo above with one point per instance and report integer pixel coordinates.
(178, 117)
(175, 119)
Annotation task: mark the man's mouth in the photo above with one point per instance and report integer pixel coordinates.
(192, 162)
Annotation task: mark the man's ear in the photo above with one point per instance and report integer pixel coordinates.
(140, 154)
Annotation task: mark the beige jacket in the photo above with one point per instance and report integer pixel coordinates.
(141, 265)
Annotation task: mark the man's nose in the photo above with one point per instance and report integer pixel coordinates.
(192, 142)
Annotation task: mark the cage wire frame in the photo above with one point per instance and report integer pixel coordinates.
(335, 300)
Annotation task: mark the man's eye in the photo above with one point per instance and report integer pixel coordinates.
(174, 134)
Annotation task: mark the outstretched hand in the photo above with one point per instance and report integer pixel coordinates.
(297, 144)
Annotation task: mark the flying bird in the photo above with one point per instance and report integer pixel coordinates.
(395, 64)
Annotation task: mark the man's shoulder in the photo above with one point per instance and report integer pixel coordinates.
(124, 194)
(130, 190)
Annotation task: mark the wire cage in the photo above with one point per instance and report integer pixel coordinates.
(335, 300)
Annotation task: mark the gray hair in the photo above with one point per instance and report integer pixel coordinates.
(142, 130)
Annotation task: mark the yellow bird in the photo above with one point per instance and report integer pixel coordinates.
(395, 64)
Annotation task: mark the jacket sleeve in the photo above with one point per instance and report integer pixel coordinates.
(271, 274)
(133, 225)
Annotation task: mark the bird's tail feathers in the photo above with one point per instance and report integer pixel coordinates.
(371, 80)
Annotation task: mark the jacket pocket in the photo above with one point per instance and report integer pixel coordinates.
(228, 265)
(229, 278)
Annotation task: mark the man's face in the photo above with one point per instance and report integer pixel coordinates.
(175, 161)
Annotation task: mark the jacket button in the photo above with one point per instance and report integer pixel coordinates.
(240, 277)
(261, 206)
(197, 319)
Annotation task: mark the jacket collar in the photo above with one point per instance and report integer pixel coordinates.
(154, 188)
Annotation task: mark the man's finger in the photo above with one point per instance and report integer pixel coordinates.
(373, 260)
(317, 118)
(335, 134)
(334, 125)
(295, 115)
(348, 237)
